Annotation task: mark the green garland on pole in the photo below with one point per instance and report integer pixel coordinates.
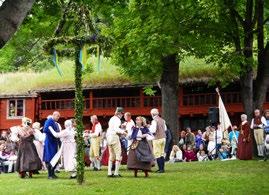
(79, 105)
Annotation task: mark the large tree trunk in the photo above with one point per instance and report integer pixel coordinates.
(12, 14)
(169, 89)
(246, 82)
(262, 80)
(246, 77)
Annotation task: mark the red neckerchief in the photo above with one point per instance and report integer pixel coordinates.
(93, 127)
(258, 120)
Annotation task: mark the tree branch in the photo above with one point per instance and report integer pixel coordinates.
(256, 13)
(266, 20)
(62, 22)
(234, 12)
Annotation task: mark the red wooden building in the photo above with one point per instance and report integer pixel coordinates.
(194, 101)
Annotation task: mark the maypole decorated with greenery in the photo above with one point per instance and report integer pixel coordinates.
(79, 105)
(83, 36)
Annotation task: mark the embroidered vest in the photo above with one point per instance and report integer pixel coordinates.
(160, 132)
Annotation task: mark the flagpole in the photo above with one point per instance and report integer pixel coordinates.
(217, 90)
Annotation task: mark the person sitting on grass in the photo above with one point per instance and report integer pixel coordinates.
(198, 139)
(4, 159)
(233, 138)
(184, 150)
(176, 155)
(202, 156)
(224, 149)
(182, 139)
(190, 155)
(190, 138)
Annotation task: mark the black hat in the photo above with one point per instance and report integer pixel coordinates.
(119, 110)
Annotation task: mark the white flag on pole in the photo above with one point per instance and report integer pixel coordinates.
(224, 119)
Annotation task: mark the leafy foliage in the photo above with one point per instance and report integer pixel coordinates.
(25, 50)
(143, 32)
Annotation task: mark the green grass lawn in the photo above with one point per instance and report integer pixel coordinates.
(228, 177)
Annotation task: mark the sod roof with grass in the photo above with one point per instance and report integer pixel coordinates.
(109, 76)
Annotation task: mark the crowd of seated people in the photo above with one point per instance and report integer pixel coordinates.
(204, 146)
(8, 153)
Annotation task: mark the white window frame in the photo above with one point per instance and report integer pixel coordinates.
(7, 111)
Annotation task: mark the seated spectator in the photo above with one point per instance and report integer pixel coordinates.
(198, 139)
(202, 156)
(211, 147)
(190, 138)
(176, 155)
(224, 149)
(205, 137)
(201, 148)
(184, 150)
(182, 139)
(6, 160)
(4, 136)
(233, 138)
(190, 155)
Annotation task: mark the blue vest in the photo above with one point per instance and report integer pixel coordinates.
(266, 129)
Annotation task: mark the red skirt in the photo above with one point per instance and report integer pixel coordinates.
(244, 149)
(105, 157)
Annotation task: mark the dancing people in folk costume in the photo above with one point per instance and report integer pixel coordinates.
(28, 160)
(95, 137)
(140, 156)
(68, 147)
(244, 147)
(158, 128)
(113, 141)
(51, 143)
(39, 143)
(257, 124)
(128, 125)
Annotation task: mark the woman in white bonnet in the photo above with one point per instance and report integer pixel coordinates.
(69, 147)
(39, 142)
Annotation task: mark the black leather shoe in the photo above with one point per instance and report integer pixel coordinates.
(110, 175)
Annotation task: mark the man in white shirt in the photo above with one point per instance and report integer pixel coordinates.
(95, 136)
(128, 125)
(113, 142)
(257, 124)
(158, 128)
